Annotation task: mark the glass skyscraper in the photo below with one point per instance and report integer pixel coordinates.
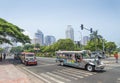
(49, 40)
(70, 32)
(39, 37)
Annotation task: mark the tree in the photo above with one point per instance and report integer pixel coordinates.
(16, 50)
(96, 39)
(65, 44)
(118, 49)
(10, 30)
(110, 47)
(28, 46)
(1, 50)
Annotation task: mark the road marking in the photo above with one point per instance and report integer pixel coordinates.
(80, 71)
(70, 74)
(42, 65)
(54, 75)
(45, 75)
(118, 79)
(36, 75)
(108, 68)
(75, 72)
(65, 75)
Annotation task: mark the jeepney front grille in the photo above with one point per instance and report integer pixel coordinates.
(31, 59)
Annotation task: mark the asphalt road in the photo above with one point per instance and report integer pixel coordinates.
(48, 71)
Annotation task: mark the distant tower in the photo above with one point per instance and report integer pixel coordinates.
(85, 40)
(49, 40)
(70, 32)
(39, 36)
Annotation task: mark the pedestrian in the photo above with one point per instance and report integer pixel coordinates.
(4, 56)
(116, 56)
(0, 56)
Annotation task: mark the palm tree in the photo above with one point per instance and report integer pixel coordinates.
(94, 37)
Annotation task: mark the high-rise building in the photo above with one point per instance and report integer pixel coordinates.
(49, 40)
(70, 32)
(85, 40)
(39, 36)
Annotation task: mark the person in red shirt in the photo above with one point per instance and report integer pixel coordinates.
(116, 57)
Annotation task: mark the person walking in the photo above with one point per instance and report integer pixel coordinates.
(0, 56)
(4, 56)
(116, 56)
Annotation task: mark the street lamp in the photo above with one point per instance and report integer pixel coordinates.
(103, 44)
(80, 39)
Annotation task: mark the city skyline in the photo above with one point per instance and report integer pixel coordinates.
(52, 17)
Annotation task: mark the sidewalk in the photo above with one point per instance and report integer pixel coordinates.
(10, 74)
(110, 60)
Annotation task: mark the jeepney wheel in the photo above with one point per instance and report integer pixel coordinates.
(61, 63)
(90, 68)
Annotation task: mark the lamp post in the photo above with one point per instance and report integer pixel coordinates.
(80, 39)
(103, 44)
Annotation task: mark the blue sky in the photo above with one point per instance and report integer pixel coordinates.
(53, 16)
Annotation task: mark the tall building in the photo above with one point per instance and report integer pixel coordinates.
(35, 41)
(49, 40)
(85, 40)
(39, 36)
(70, 32)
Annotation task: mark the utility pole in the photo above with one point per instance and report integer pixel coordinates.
(80, 39)
(103, 44)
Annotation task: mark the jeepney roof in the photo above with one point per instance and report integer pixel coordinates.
(27, 53)
(70, 51)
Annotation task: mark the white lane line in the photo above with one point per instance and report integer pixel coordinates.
(37, 75)
(65, 75)
(42, 65)
(118, 79)
(81, 71)
(108, 68)
(75, 72)
(70, 74)
(49, 77)
(54, 75)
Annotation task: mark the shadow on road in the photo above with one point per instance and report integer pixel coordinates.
(97, 71)
(10, 61)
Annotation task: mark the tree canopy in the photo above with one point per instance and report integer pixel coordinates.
(10, 30)
(110, 47)
(95, 40)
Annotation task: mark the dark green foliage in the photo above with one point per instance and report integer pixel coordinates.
(10, 30)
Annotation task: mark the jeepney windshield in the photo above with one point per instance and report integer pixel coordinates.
(29, 55)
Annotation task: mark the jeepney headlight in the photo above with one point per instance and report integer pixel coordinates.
(102, 63)
(26, 60)
(35, 59)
